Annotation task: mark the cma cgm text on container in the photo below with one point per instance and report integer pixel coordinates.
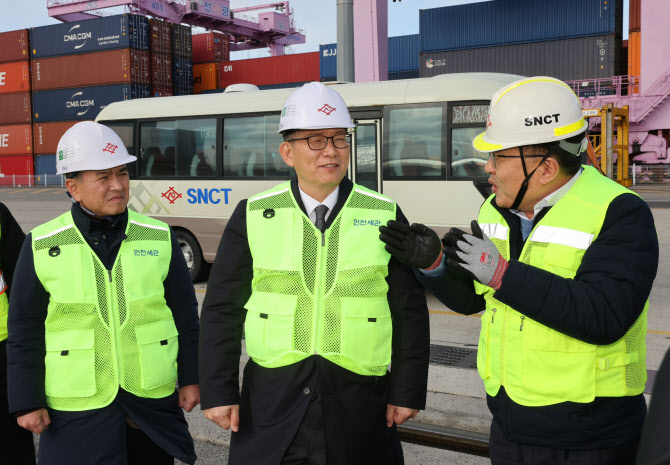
(91, 35)
(499, 22)
(300, 67)
(82, 103)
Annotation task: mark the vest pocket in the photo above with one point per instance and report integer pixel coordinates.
(158, 347)
(268, 327)
(70, 363)
(367, 330)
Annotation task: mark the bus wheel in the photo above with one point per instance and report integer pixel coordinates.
(192, 253)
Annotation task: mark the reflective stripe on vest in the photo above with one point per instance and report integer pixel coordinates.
(538, 365)
(314, 294)
(106, 329)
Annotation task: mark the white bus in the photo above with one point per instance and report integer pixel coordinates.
(199, 155)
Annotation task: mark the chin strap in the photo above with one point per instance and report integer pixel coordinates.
(524, 184)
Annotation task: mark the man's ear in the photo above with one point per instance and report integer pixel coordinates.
(551, 170)
(73, 189)
(286, 152)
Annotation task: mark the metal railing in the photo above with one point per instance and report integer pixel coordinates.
(40, 180)
(615, 85)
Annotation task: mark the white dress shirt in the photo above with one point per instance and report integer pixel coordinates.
(311, 203)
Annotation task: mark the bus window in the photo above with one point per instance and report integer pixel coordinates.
(467, 121)
(251, 148)
(415, 143)
(126, 132)
(183, 148)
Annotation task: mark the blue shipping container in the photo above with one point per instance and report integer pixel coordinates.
(504, 22)
(404, 75)
(403, 53)
(45, 171)
(182, 73)
(91, 35)
(183, 91)
(83, 103)
(285, 85)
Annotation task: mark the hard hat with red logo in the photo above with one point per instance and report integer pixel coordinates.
(314, 106)
(90, 146)
(531, 111)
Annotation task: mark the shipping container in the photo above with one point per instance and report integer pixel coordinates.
(303, 67)
(47, 135)
(83, 103)
(182, 73)
(91, 35)
(205, 77)
(182, 45)
(284, 85)
(92, 69)
(213, 91)
(404, 75)
(495, 23)
(15, 108)
(16, 139)
(634, 15)
(161, 91)
(634, 53)
(15, 77)
(568, 60)
(14, 46)
(403, 55)
(211, 47)
(178, 91)
(161, 70)
(16, 170)
(160, 34)
(45, 164)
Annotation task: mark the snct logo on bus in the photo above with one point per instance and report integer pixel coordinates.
(207, 196)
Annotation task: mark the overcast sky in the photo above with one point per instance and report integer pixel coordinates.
(317, 18)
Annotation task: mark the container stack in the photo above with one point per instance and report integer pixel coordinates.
(634, 31)
(161, 58)
(569, 40)
(403, 58)
(16, 145)
(182, 64)
(272, 72)
(79, 68)
(209, 51)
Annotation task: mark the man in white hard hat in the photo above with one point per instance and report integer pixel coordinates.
(103, 321)
(562, 261)
(325, 309)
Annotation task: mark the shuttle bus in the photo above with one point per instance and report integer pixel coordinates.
(199, 155)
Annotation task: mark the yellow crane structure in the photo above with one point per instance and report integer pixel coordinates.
(613, 139)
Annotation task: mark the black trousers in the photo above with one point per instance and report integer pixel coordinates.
(16, 443)
(505, 452)
(309, 444)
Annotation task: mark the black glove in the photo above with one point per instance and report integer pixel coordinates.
(475, 255)
(418, 246)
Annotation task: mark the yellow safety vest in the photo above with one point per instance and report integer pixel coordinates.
(106, 329)
(4, 303)
(319, 294)
(536, 364)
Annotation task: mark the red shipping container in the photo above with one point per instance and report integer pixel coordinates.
(634, 15)
(160, 36)
(15, 108)
(92, 69)
(16, 170)
(211, 47)
(16, 139)
(162, 92)
(47, 135)
(14, 46)
(15, 77)
(272, 70)
(205, 77)
(161, 70)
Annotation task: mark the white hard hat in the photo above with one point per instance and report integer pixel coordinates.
(90, 146)
(532, 111)
(314, 106)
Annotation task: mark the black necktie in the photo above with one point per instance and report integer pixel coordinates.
(320, 223)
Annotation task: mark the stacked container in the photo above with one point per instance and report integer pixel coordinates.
(569, 40)
(634, 40)
(403, 59)
(161, 58)
(284, 69)
(182, 64)
(209, 50)
(16, 144)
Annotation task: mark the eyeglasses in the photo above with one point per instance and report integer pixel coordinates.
(493, 156)
(340, 141)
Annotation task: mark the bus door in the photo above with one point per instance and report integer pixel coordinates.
(366, 153)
